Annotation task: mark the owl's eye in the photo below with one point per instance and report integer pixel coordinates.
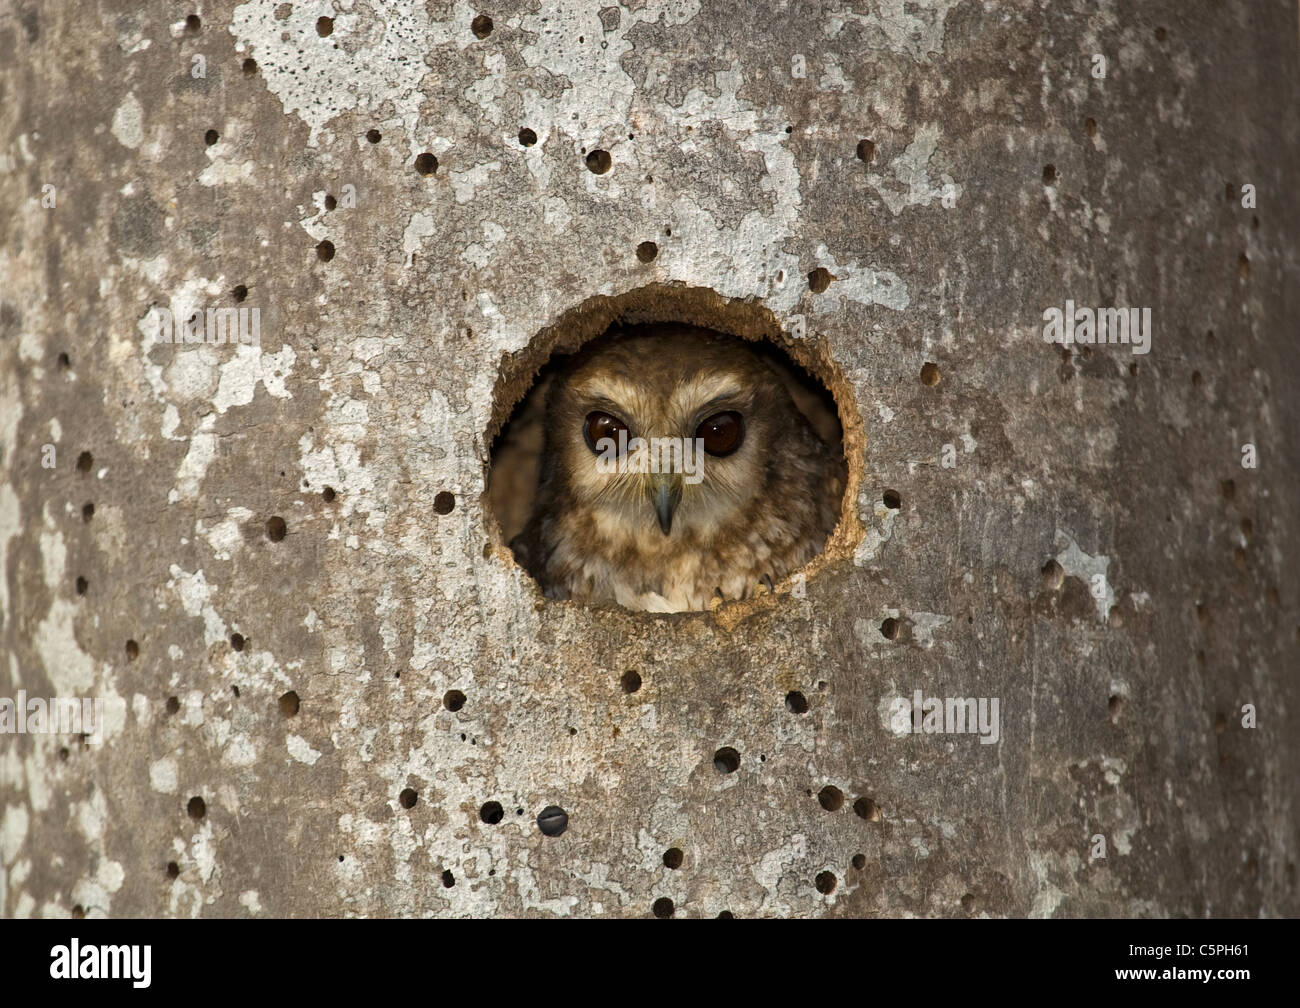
(722, 433)
(602, 425)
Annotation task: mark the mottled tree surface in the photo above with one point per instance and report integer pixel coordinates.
(274, 562)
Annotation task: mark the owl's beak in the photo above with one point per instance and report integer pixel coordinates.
(666, 494)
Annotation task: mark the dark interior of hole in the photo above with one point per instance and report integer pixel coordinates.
(517, 450)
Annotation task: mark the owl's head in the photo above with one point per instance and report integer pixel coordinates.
(667, 431)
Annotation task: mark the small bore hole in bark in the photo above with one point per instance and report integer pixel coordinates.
(444, 502)
(276, 529)
(830, 798)
(726, 760)
(796, 702)
(426, 163)
(599, 162)
(553, 821)
(819, 279)
(408, 798)
(673, 858)
(491, 813)
(527, 137)
(197, 808)
(663, 908)
(630, 681)
(453, 700)
(481, 26)
(289, 704)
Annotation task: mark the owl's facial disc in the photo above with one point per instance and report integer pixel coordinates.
(647, 473)
(667, 432)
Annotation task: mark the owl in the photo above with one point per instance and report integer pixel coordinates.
(676, 470)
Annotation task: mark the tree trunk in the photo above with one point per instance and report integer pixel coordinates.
(327, 688)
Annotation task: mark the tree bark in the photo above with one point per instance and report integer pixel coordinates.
(273, 560)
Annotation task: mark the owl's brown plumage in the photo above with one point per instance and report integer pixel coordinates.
(660, 542)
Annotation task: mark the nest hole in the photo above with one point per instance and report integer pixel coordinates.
(678, 380)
